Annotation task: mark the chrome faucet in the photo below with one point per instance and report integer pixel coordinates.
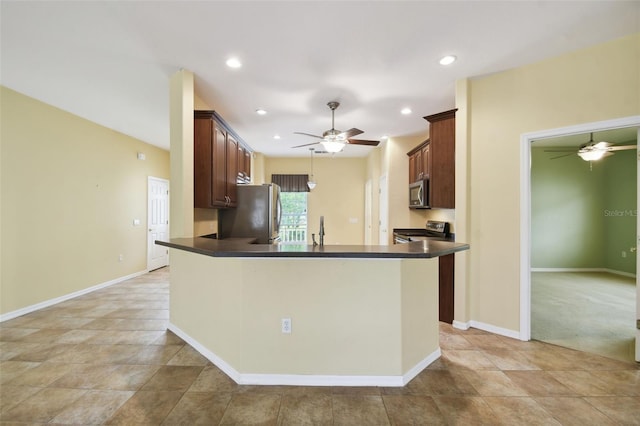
(321, 233)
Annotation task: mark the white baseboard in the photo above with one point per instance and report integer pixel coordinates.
(610, 271)
(304, 379)
(461, 325)
(216, 360)
(487, 327)
(28, 309)
(409, 375)
(495, 330)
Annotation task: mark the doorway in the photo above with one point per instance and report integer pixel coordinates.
(526, 141)
(293, 223)
(384, 211)
(157, 221)
(368, 214)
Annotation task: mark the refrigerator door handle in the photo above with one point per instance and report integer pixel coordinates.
(279, 212)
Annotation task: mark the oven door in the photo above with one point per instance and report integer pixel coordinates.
(401, 239)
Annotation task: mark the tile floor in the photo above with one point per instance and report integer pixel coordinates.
(106, 358)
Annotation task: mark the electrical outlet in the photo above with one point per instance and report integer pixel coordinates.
(286, 325)
(120, 258)
(624, 253)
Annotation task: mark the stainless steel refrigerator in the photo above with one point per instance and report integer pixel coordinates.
(257, 214)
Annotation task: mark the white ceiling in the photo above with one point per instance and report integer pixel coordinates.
(111, 61)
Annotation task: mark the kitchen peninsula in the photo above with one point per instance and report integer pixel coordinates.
(308, 315)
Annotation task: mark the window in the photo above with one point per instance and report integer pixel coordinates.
(293, 224)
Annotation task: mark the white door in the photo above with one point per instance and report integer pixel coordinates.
(158, 222)
(384, 211)
(368, 196)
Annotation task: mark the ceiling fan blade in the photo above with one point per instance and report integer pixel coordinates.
(621, 147)
(363, 142)
(560, 150)
(308, 134)
(561, 156)
(351, 132)
(307, 144)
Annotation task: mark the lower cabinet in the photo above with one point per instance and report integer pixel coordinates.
(447, 265)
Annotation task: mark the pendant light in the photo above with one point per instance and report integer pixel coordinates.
(311, 183)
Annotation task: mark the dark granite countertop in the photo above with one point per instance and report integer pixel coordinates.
(242, 247)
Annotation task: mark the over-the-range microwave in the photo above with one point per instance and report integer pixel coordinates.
(419, 194)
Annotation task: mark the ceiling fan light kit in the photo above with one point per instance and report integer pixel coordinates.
(592, 151)
(592, 155)
(334, 140)
(332, 146)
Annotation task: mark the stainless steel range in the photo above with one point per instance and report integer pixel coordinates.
(434, 230)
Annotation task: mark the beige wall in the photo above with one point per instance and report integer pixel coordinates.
(338, 196)
(598, 83)
(70, 192)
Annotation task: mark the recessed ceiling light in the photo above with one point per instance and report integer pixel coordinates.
(276, 136)
(405, 111)
(447, 60)
(384, 138)
(261, 111)
(234, 63)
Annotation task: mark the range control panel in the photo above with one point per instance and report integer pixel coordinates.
(438, 227)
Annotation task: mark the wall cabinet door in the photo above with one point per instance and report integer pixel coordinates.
(418, 158)
(219, 175)
(244, 165)
(413, 168)
(425, 167)
(202, 163)
(231, 177)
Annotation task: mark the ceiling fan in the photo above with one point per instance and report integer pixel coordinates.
(592, 151)
(334, 140)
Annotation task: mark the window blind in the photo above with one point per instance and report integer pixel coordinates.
(291, 183)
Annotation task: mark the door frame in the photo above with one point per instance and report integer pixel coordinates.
(526, 139)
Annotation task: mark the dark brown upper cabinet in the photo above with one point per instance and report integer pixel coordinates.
(216, 161)
(435, 159)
